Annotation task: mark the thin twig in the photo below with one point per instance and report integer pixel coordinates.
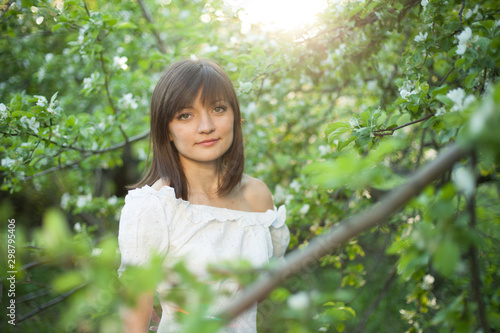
(474, 271)
(361, 325)
(420, 149)
(308, 257)
(147, 16)
(84, 150)
(108, 93)
(446, 76)
(53, 302)
(461, 12)
(390, 131)
(92, 153)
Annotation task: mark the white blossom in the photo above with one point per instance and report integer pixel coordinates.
(371, 85)
(407, 89)
(479, 119)
(53, 105)
(424, 3)
(112, 200)
(77, 226)
(8, 162)
(421, 37)
(120, 62)
(461, 48)
(429, 279)
(304, 209)
(439, 112)
(231, 67)
(299, 301)
(295, 185)
(89, 81)
(459, 99)
(463, 38)
(42, 101)
(323, 150)
(464, 180)
(184, 14)
(3, 111)
(30, 123)
(279, 193)
(210, 49)
(83, 200)
(64, 203)
(128, 101)
(96, 252)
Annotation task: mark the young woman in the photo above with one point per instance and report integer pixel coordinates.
(195, 204)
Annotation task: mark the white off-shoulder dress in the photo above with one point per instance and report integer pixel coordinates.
(156, 221)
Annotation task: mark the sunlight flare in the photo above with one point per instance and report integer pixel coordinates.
(278, 14)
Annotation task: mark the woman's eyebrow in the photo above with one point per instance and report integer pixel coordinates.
(219, 101)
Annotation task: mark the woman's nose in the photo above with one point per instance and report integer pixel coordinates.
(206, 124)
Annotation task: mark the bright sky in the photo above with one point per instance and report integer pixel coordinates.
(279, 14)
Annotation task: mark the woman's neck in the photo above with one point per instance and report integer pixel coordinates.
(202, 178)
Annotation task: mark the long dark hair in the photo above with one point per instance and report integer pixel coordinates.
(179, 86)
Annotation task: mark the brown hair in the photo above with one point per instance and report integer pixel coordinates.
(179, 86)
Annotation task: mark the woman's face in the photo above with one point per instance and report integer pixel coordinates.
(202, 133)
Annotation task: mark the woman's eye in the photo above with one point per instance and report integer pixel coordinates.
(219, 109)
(184, 116)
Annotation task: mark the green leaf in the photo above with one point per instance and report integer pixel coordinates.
(71, 121)
(67, 281)
(343, 144)
(334, 126)
(126, 25)
(445, 100)
(57, 26)
(446, 257)
(459, 62)
(439, 90)
(399, 101)
(469, 80)
(339, 131)
(18, 113)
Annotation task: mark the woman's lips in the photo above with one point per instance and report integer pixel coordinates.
(208, 143)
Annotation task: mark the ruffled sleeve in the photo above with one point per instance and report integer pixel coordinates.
(280, 235)
(143, 228)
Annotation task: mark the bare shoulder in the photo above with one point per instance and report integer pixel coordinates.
(159, 184)
(257, 194)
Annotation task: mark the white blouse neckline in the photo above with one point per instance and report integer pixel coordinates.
(172, 191)
(204, 213)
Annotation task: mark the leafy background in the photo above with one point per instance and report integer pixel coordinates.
(337, 113)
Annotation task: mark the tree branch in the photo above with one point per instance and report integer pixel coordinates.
(91, 153)
(147, 16)
(108, 93)
(446, 76)
(461, 12)
(51, 303)
(390, 131)
(475, 271)
(361, 326)
(305, 259)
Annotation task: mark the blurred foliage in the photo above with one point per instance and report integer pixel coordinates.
(336, 113)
